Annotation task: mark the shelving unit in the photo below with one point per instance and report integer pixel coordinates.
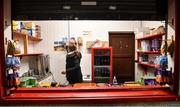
(139, 52)
(26, 38)
(102, 65)
(148, 37)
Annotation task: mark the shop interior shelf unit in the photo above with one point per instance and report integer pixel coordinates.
(139, 52)
(26, 38)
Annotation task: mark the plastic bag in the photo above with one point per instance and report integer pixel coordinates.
(11, 61)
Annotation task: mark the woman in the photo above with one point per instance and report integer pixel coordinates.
(73, 69)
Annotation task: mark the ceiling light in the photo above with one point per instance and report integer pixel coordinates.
(112, 7)
(89, 3)
(76, 18)
(66, 7)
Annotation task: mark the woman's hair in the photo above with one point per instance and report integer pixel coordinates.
(72, 47)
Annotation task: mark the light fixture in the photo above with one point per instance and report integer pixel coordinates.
(67, 7)
(76, 18)
(112, 7)
(92, 3)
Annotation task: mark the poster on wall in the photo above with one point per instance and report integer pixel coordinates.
(97, 44)
(60, 45)
(87, 33)
(80, 41)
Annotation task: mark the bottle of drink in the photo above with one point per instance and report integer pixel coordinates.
(115, 81)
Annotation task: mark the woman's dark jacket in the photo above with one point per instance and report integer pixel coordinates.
(73, 69)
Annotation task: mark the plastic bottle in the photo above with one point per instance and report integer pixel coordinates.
(115, 81)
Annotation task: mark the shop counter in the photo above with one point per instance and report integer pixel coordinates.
(84, 93)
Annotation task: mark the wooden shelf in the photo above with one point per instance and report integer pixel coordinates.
(21, 35)
(17, 34)
(147, 65)
(149, 52)
(30, 54)
(151, 36)
(26, 39)
(34, 38)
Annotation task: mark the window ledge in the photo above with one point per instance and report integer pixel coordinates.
(91, 95)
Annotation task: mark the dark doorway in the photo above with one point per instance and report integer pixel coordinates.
(123, 45)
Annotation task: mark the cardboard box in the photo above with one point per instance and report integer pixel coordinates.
(28, 25)
(29, 32)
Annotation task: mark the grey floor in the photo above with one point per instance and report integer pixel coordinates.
(157, 104)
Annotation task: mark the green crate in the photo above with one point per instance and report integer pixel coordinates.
(28, 82)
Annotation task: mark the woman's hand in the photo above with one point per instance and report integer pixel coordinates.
(63, 72)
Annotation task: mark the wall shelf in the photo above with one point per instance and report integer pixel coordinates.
(151, 36)
(149, 52)
(21, 35)
(30, 54)
(26, 38)
(34, 38)
(26, 55)
(148, 65)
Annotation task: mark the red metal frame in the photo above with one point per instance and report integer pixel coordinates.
(92, 60)
(177, 49)
(85, 99)
(111, 62)
(2, 54)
